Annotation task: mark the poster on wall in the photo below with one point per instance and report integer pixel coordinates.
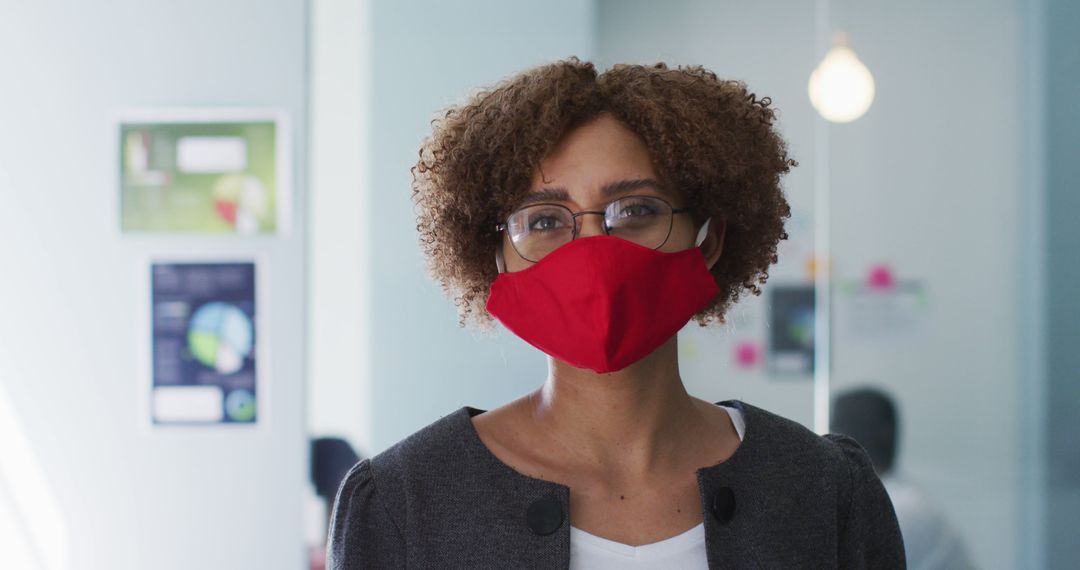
(881, 306)
(791, 329)
(204, 360)
(204, 172)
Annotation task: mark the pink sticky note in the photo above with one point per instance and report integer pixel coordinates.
(747, 354)
(880, 277)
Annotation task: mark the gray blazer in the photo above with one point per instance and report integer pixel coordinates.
(439, 499)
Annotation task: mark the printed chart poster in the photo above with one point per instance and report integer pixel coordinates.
(204, 365)
(791, 329)
(881, 306)
(202, 176)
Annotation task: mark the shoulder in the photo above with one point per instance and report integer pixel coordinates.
(784, 443)
(781, 441)
(369, 520)
(870, 531)
(441, 446)
(433, 458)
(840, 472)
(434, 451)
(362, 531)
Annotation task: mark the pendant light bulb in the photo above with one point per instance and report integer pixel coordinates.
(841, 88)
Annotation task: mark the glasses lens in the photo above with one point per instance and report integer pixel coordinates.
(538, 230)
(643, 220)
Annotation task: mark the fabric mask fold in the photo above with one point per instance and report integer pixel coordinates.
(602, 302)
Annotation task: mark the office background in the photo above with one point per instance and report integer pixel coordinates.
(961, 177)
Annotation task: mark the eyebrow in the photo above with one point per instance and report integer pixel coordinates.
(610, 189)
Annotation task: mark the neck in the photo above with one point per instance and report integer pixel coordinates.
(630, 423)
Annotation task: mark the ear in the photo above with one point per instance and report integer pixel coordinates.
(713, 243)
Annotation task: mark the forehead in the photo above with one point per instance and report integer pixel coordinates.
(593, 156)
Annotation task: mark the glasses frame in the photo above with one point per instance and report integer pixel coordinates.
(504, 226)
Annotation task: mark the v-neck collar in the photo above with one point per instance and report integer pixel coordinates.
(741, 455)
(743, 475)
(685, 540)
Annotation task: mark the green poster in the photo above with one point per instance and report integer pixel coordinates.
(195, 174)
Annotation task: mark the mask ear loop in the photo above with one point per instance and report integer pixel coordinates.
(500, 263)
(702, 233)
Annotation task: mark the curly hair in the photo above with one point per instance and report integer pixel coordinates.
(711, 139)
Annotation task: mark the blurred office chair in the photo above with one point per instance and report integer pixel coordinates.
(331, 459)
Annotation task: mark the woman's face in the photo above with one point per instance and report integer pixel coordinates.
(580, 172)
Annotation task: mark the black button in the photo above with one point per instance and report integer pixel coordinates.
(723, 504)
(544, 515)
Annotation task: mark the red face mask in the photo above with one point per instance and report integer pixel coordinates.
(602, 302)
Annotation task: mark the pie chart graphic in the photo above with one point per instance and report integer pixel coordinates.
(220, 336)
(240, 405)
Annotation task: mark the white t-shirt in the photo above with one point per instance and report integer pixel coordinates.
(684, 551)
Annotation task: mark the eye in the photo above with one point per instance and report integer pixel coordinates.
(544, 222)
(636, 210)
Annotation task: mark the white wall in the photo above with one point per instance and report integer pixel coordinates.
(927, 180)
(71, 284)
(339, 239)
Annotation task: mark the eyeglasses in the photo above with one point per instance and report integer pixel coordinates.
(538, 229)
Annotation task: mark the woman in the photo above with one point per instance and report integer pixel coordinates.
(594, 215)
